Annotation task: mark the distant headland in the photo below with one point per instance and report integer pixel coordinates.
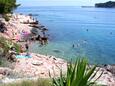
(109, 4)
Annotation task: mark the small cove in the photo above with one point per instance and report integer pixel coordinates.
(91, 30)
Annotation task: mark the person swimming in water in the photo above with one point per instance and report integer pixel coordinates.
(111, 33)
(73, 46)
(87, 30)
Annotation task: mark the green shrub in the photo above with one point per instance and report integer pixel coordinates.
(7, 6)
(17, 47)
(0, 62)
(77, 75)
(4, 45)
(7, 18)
(7, 44)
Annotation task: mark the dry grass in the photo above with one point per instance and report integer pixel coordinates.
(39, 82)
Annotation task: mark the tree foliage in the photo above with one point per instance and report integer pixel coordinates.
(7, 6)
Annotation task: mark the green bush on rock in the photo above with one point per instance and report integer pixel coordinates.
(77, 75)
(6, 45)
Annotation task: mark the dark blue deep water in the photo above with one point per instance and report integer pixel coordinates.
(91, 30)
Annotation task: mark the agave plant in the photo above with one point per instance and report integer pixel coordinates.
(77, 75)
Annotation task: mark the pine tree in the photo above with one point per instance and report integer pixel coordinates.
(7, 6)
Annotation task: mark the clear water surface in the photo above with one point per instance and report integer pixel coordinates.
(91, 30)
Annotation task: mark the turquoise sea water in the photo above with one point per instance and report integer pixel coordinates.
(91, 30)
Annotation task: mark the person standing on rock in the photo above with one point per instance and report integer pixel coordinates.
(27, 49)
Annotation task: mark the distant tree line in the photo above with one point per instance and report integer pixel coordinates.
(7, 6)
(109, 4)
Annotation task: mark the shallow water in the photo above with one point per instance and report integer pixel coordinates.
(91, 30)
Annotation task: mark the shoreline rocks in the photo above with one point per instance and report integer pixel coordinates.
(106, 79)
(40, 65)
(110, 68)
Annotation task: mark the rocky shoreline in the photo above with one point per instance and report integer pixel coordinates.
(108, 76)
(42, 69)
(39, 66)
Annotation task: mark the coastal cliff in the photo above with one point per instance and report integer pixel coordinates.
(109, 4)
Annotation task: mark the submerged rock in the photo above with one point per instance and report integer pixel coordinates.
(57, 51)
